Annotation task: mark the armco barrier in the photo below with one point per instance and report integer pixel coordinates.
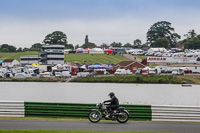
(176, 113)
(74, 110)
(11, 109)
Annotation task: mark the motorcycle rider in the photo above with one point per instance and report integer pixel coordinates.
(114, 104)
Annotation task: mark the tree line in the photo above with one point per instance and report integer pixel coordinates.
(160, 34)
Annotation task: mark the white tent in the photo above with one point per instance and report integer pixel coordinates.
(96, 51)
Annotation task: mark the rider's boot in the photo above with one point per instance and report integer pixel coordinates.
(109, 115)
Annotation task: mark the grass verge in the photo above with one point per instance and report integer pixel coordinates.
(42, 119)
(33, 79)
(151, 79)
(16, 55)
(58, 131)
(94, 58)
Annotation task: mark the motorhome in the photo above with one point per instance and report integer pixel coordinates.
(166, 54)
(148, 71)
(45, 75)
(137, 52)
(178, 71)
(1, 74)
(122, 72)
(180, 54)
(66, 74)
(82, 74)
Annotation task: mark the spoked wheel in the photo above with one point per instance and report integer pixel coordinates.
(123, 118)
(94, 116)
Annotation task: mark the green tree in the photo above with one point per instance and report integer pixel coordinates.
(128, 45)
(88, 44)
(69, 46)
(137, 43)
(86, 39)
(12, 48)
(4, 50)
(114, 44)
(4, 46)
(77, 46)
(19, 49)
(9, 47)
(145, 45)
(161, 42)
(36, 47)
(57, 37)
(192, 43)
(104, 45)
(162, 29)
(190, 34)
(25, 49)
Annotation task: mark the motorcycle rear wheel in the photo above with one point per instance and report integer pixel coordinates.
(94, 116)
(123, 118)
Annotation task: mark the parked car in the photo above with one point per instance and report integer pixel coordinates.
(8, 75)
(168, 71)
(158, 54)
(139, 71)
(82, 74)
(148, 71)
(20, 76)
(187, 71)
(92, 73)
(138, 52)
(122, 72)
(45, 75)
(66, 74)
(58, 74)
(1, 74)
(178, 71)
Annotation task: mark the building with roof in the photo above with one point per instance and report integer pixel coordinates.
(28, 60)
(52, 54)
(130, 65)
(10, 63)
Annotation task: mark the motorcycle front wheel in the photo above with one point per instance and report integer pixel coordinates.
(94, 116)
(123, 117)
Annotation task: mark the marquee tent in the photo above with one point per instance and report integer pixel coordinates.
(96, 51)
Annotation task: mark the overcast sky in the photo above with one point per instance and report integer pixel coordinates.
(25, 22)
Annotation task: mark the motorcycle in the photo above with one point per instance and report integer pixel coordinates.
(120, 114)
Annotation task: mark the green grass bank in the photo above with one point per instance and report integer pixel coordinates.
(94, 58)
(146, 79)
(151, 79)
(16, 55)
(73, 58)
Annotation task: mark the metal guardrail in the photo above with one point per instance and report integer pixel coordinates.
(176, 113)
(12, 109)
(74, 110)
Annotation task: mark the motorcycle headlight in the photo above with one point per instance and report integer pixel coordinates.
(98, 105)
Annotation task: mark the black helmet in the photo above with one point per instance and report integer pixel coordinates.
(111, 94)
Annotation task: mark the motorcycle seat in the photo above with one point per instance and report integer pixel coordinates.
(120, 108)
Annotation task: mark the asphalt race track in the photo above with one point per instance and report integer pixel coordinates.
(101, 126)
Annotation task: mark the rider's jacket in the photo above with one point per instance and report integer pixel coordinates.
(113, 101)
